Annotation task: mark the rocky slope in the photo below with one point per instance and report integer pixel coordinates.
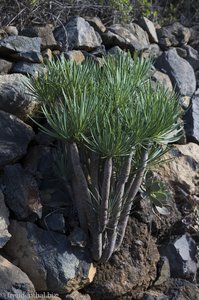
(41, 245)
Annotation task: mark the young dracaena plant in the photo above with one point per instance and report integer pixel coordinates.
(112, 122)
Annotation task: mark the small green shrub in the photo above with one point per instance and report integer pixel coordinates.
(112, 123)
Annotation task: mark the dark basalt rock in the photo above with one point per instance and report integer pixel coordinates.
(22, 193)
(4, 222)
(15, 136)
(192, 119)
(179, 70)
(181, 253)
(48, 259)
(77, 34)
(21, 48)
(27, 68)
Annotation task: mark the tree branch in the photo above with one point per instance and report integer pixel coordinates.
(112, 227)
(132, 193)
(105, 193)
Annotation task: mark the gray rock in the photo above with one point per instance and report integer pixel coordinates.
(5, 66)
(194, 39)
(161, 224)
(45, 33)
(54, 221)
(22, 193)
(4, 222)
(99, 52)
(15, 136)
(182, 290)
(77, 34)
(96, 23)
(15, 97)
(78, 238)
(149, 27)
(21, 48)
(197, 78)
(131, 37)
(182, 52)
(163, 79)
(173, 35)
(179, 70)
(48, 258)
(192, 57)
(181, 254)
(27, 68)
(15, 284)
(40, 162)
(181, 172)
(163, 271)
(115, 51)
(153, 51)
(192, 119)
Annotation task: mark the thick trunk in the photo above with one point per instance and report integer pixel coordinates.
(86, 213)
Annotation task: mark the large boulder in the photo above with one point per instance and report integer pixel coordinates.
(48, 258)
(21, 48)
(179, 70)
(15, 284)
(173, 35)
(130, 36)
(181, 253)
(77, 34)
(15, 136)
(15, 97)
(4, 222)
(192, 119)
(22, 192)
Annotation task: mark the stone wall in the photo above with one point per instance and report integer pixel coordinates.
(158, 259)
